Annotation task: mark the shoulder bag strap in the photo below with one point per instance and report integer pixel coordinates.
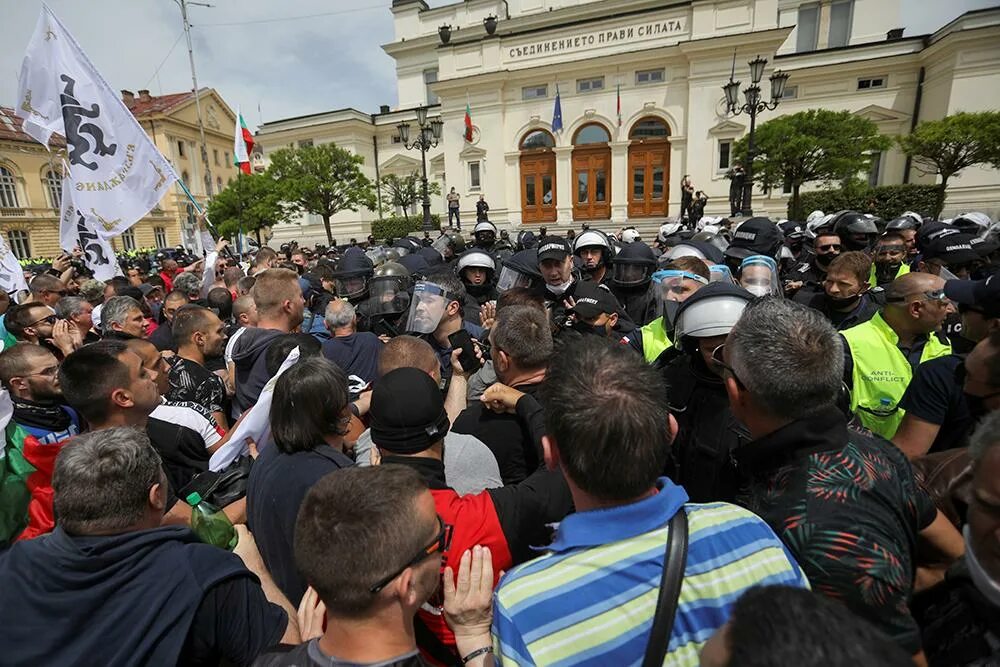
(670, 590)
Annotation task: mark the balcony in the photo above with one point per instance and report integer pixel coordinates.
(22, 213)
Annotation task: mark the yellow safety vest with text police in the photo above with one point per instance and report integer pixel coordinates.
(881, 373)
(654, 340)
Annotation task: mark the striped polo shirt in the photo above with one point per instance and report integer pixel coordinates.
(590, 599)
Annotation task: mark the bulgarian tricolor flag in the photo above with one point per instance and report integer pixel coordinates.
(242, 144)
(468, 122)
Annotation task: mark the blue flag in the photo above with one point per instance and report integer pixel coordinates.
(557, 114)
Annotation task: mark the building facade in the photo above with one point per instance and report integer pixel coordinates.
(30, 175)
(640, 88)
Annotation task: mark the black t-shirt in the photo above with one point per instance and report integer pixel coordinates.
(181, 435)
(934, 396)
(163, 337)
(234, 622)
(192, 382)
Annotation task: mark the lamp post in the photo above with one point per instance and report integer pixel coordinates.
(752, 106)
(426, 139)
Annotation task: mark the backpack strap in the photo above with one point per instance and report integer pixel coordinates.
(670, 590)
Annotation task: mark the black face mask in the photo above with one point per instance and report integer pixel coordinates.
(886, 273)
(843, 303)
(824, 260)
(591, 329)
(478, 290)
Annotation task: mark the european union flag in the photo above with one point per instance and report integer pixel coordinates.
(557, 114)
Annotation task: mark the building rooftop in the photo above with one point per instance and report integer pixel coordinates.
(11, 129)
(144, 104)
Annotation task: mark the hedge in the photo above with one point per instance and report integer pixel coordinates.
(885, 201)
(397, 226)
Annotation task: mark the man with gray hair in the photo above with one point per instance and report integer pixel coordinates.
(189, 283)
(121, 318)
(146, 593)
(356, 353)
(80, 312)
(845, 503)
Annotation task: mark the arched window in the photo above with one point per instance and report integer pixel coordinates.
(8, 189)
(649, 128)
(537, 139)
(53, 186)
(591, 134)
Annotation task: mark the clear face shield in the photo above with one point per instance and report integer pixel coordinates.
(759, 276)
(671, 288)
(388, 297)
(351, 287)
(721, 274)
(510, 278)
(629, 275)
(442, 246)
(427, 308)
(376, 255)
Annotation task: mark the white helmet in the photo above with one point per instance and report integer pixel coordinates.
(711, 311)
(477, 258)
(813, 217)
(668, 229)
(630, 235)
(592, 238)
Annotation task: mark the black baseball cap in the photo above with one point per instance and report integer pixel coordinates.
(951, 249)
(591, 300)
(553, 247)
(983, 295)
(756, 236)
(407, 412)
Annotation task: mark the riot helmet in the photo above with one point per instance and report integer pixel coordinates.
(449, 245)
(353, 272)
(974, 223)
(856, 230)
(593, 239)
(633, 265)
(485, 233)
(476, 261)
(671, 287)
(520, 270)
(389, 289)
(525, 240)
(711, 311)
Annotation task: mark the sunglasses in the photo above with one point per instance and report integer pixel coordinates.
(49, 319)
(440, 545)
(830, 246)
(718, 359)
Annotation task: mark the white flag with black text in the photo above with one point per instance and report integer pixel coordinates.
(11, 274)
(118, 174)
(77, 229)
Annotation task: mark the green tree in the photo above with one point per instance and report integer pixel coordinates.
(403, 192)
(250, 201)
(810, 146)
(322, 180)
(945, 147)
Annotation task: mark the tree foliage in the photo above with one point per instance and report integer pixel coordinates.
(885, 201)
(945, 147)
(250, 201)
(816, 145)
(322, 180)
(404, 192)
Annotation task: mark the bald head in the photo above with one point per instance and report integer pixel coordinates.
(904, 289)
(408, 352)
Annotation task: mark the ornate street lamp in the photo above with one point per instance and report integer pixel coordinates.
(427, 138)
(752, 106)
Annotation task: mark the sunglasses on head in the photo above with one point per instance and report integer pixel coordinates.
(438, 546)
(933, 295)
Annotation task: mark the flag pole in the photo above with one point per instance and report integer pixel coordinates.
(208, 223)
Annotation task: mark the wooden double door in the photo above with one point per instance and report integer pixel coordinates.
(592, 183)
(538, 186)
(649, 179)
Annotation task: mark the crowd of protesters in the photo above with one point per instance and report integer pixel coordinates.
(747, 442)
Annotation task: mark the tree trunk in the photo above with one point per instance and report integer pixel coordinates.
(796, 212)
(944, 193)
(260, 243)
(329, 233)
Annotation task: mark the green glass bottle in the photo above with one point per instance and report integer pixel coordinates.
(211, 524)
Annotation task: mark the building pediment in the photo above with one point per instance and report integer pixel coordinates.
(471, 152)
(727, 127)
(400, 162)
(879, 114)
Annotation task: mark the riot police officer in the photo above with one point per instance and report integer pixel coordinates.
(595, 253)
(383, 311)
(351, 277)
(696, 395)
(632, 269)
(477, 269)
